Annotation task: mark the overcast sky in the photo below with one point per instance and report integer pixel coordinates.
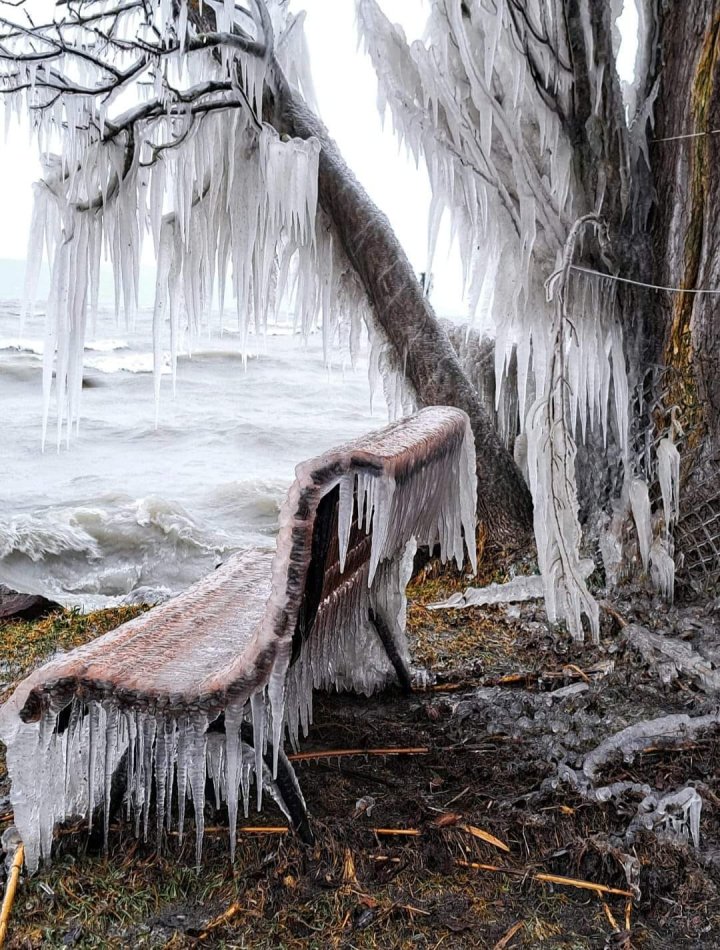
(346, 89)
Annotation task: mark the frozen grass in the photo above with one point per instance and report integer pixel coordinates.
(360, 889)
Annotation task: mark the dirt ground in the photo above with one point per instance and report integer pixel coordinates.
(457, 844)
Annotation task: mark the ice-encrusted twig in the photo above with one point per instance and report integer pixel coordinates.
(665, 731)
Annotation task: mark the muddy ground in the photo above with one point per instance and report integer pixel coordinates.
(455, 846)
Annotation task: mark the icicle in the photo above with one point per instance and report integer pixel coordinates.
(234, 715)
(669, 477)
(94, 726)
(257, 705)
(111, 742)
(662, 567)
(345, 513)
(640, 504)
(197, 744)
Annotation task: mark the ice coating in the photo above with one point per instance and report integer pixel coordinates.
(513, 591)
(150, 691)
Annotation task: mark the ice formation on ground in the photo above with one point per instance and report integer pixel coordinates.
(514, 591)
(144, 697)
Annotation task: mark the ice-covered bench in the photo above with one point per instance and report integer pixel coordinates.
(207, 685)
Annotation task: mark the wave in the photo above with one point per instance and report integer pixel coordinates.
(20, 344)
(106, 346)
(115, 549)
(125, 363)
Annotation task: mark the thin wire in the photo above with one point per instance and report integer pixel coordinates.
(687, 135)
(641, 283)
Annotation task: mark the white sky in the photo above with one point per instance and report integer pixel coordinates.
(346, 90)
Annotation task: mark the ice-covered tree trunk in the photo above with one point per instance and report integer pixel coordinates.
(421, 345)
(422, 349)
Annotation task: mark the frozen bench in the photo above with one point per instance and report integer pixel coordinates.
(205, 686)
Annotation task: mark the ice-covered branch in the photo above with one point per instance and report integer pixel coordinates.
(121, 91)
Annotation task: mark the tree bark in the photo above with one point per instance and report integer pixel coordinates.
(686, 225)
(407, 319)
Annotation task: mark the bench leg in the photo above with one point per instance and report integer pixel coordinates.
(288, 787)
(388, 642)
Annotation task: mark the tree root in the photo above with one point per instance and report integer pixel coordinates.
(673, 814)
(670, 657)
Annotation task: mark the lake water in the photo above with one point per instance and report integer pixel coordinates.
(131, 511)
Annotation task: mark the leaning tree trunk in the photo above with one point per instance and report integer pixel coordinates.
(686, 238)
(408, 321)
(405, 316)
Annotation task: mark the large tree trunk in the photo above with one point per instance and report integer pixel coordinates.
(686, 227)
(686, 237)
(408, 321)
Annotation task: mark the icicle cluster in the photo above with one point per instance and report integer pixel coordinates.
(467, 102)
(142, 699)
(230, 206)
(155, 757)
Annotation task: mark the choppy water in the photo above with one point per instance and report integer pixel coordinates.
(131, 511)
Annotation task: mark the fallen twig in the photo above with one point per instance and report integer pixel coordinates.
(546, 878)
(248, 830)
(343, 753)
(485, 836)
(470, 829)
(504, 941)
(232, 911)
(612, 612)
(407, 832)
(10, 890)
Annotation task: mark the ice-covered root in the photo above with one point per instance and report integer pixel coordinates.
(676, 814)
(514, 591)
(671, 658)
(666, 731)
